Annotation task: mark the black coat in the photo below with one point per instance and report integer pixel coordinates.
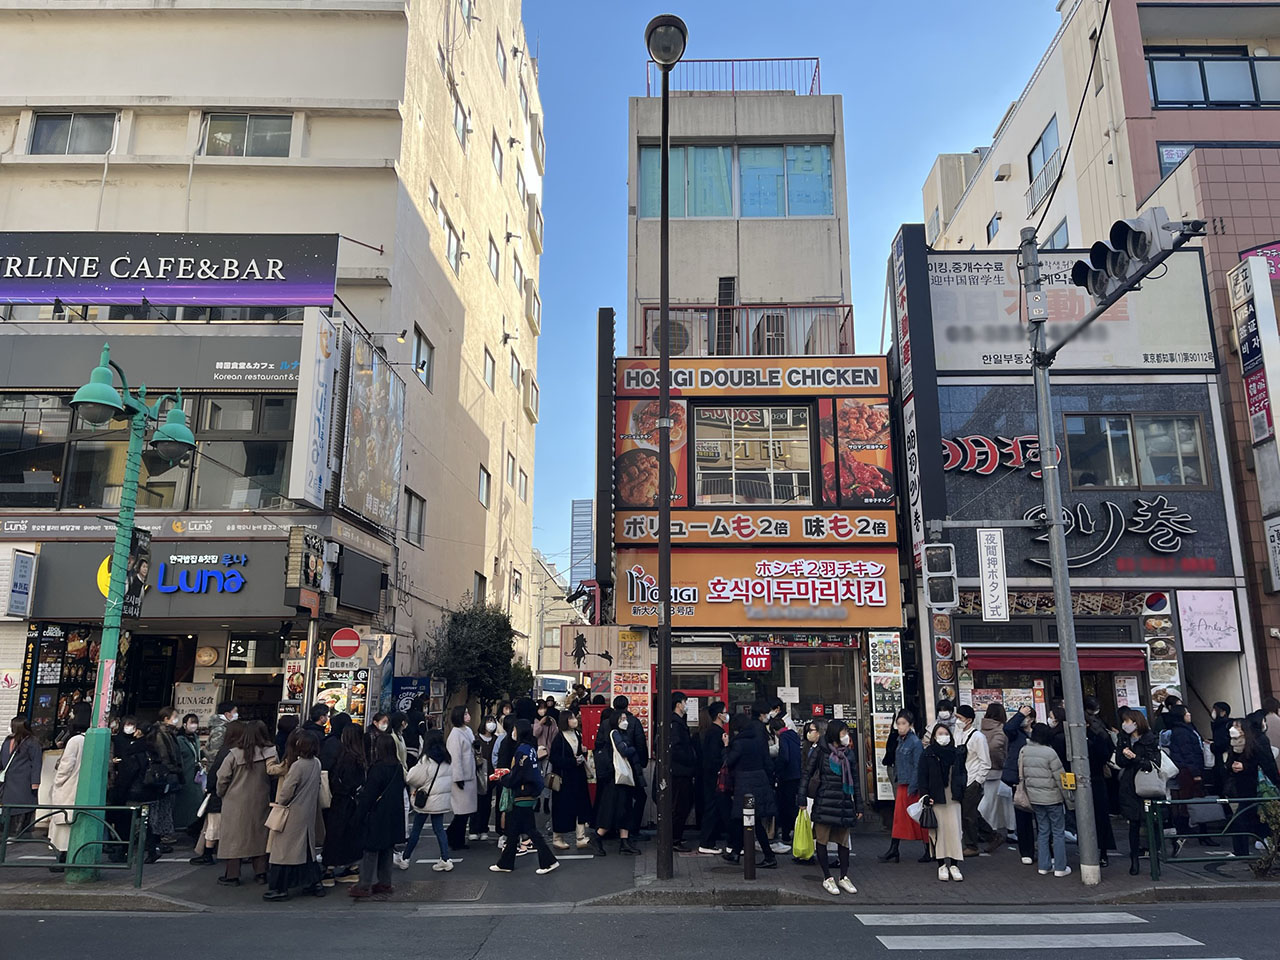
(1146, 751)
(1059, 744)
(342, 833)
(684, 759)
(126, 784)
(635, 736)
(712, 758)
(1245, 783)
(380, 807)
(571, 804)
(831, 805)
(933, 777)
(748, 761)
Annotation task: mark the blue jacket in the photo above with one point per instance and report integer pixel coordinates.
(906, 761)
(1184, 745)
(1017, 740)
(787, 766)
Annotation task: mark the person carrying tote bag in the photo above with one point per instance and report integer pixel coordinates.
(1139, 755)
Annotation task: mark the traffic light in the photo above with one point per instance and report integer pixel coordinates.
(1132, 244)
(940, 590)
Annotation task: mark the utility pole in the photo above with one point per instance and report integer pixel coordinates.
(1072, 692)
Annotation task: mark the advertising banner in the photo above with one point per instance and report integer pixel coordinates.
(22, 576)
(591, 649)
(733, 527)
(979, 316)
(853, 587)
(885, 653)
(636, 465)
(375, 437)
(1208, 621)
(732, 377)
(202, 269)
(309, 474)
(857, 462)
(64, 526)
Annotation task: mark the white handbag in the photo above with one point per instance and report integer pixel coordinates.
(1167, 767)
(622, 775)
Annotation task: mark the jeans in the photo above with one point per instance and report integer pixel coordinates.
(375, 868)
(1051, 822)
(437, 827)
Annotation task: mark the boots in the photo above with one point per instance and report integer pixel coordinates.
(582, 842)
(597, 845)
(1133, 865)
(557, 841)
(891, 854)
(628, 847)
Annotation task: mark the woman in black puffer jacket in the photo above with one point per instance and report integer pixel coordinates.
(748, 761)
(830, 790)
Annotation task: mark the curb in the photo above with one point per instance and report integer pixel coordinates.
(134, 902)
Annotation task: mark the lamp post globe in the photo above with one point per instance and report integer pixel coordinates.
(98, 401)
(666, 37)
(173, 439)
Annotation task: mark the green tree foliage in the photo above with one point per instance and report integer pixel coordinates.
(471, 650)
(521, 680)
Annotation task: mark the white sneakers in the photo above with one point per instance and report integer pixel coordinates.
(400, 862)
(710, 851)
(956, 875)
(1043, 873)
(473, 836)
(829, 885)
(847, 885)
(484, 837)
(442, 866)
(779, 847)
(1062, 873)
(1027, 860)
(545, 870)
(943, 874)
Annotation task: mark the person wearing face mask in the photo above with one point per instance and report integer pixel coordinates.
(1242, 762)
(787, 769)
(462, 763)
(227, 713)
(1220, 742)
(163, 780)
(977, 761)
(380, 724)
(189, 796)
(715, 803)
(1139, 750)
(684, 765)
(614, 759)
(941, 779)
(484, 744)
(207, 841)
(545, 730)
(1017, 731)
(1041, 774)
(830, 793)
(20, 760)
(946, 716)
(640, 744)
(570, 799)
(1186, 750)
(906, 764)
(748, 763)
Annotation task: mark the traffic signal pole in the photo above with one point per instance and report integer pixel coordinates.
(1072, 691)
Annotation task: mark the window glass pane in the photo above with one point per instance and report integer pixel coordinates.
(33, 431)
(1178, 81)
(763, 179)
(1172, 154)
(95, 476)
(752, 454)
(1058, 239)
(269, 136)
(51, 133)
(277, 414)
(1230, 81)
(239, 474)
(1043, 149)
(710, 181)
(91, 132)
(650, 186)
(423, 358)
(809, 181)
(489, 368)
(1169, 451)
(1100, 452)
(225, 136)
(1268, 74)
(228, 413)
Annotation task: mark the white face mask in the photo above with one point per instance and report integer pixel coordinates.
(1128, 726)
(622, 724)
(1053, 721)
(192, 728)
(724, 718)
(130, 728)
(1236, 733)
(382, 728)
(943, 739)
(573, 723)
(944, 714)
(490, 726)
(233, 717)
(845, 740)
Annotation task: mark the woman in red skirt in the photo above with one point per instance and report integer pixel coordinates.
(906, 760)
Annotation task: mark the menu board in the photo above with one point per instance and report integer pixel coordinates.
(61, 674)
(885, 650)
(344, 689)
(635, 687)
(636, 466)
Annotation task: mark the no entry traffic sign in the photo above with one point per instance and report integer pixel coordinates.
(345, 642)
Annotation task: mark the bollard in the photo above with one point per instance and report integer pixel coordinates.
(748, 837)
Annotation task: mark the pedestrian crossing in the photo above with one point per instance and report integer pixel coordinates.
(945, 937)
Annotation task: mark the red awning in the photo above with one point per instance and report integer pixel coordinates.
(1033, 658)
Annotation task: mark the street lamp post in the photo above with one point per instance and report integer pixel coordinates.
(666, 37)
(99, 402)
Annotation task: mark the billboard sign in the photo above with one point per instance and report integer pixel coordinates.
(776, 377)
(375, 437)
(309, 474)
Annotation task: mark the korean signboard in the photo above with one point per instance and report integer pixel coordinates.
(734, 527)
(375, 437)
(727, 377)
(995, 594)
(204, 269)
(823, 589)
(979, 316)
(309, 474)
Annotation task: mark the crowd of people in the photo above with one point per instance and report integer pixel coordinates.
(324, 801)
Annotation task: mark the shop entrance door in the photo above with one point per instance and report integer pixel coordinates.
(700, 683)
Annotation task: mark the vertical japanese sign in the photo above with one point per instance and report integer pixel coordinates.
(1254, 314)
(911, 446)
(636, 688)
(309, 474)
(995, 592)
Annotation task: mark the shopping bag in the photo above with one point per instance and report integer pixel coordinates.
(1204, 814)
(326, 794)
(802, 838)
(914, 810)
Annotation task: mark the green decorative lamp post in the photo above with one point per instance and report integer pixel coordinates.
(99, 402)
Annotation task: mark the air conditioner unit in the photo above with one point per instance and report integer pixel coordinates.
(688, 336)
(1003, 172)
(769, 337)
(823, 338)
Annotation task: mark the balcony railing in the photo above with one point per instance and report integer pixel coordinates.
(752, 331)
(1043, 181)
(1214, 82)
(801, 76)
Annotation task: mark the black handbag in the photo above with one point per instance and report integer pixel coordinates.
(928, 819)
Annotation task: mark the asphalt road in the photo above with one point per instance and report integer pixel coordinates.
(1246, 931)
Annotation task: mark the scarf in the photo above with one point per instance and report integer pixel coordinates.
(946, 756)
(840, 764)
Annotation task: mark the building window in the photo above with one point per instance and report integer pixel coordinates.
(521, 189)
(524, 99)
(495, 259)
(479, 589)
(468, 12)
(774, 181)
(415, 518)
(247, 135)
(1098, 71)
(753, 455)
(497, 156)
(441, 62)
(424, 358)
(993, 227)
(533, 399)
(1043, 163)
(1207, 76)
(511, 469)
(933, 227)
(1138, 450)
(500, 54)
(536, 309)
(453, 244)
(482, 490)
(33, 435)
(490, 369)
(72, 133)
(433, 195)
(1172, 154)
(517, 273)
(517, 586)
(809, 189)
(459, 120)
(1059, 239)
(515, 369)
(524, 486)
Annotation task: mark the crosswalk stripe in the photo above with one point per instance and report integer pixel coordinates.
(1025, 944)
(992, 919)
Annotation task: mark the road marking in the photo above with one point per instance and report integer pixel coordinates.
(991, 919)
(1025, 944)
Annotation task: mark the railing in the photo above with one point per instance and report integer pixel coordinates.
(1043, 181)
(801, 76)
(1244, 815)
(1219, 83)
(752, 331)
(132, 845)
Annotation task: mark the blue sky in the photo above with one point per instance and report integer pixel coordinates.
(918, 77)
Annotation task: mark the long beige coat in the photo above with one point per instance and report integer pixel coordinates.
(300, 791)
(246, 795)
(66, 782)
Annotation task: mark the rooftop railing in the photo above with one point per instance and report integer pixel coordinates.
(801, 76)
(758, 330)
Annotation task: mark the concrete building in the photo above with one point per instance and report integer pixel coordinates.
(582, 541)
(416, 132)
(1174, 112)
(551, 611)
